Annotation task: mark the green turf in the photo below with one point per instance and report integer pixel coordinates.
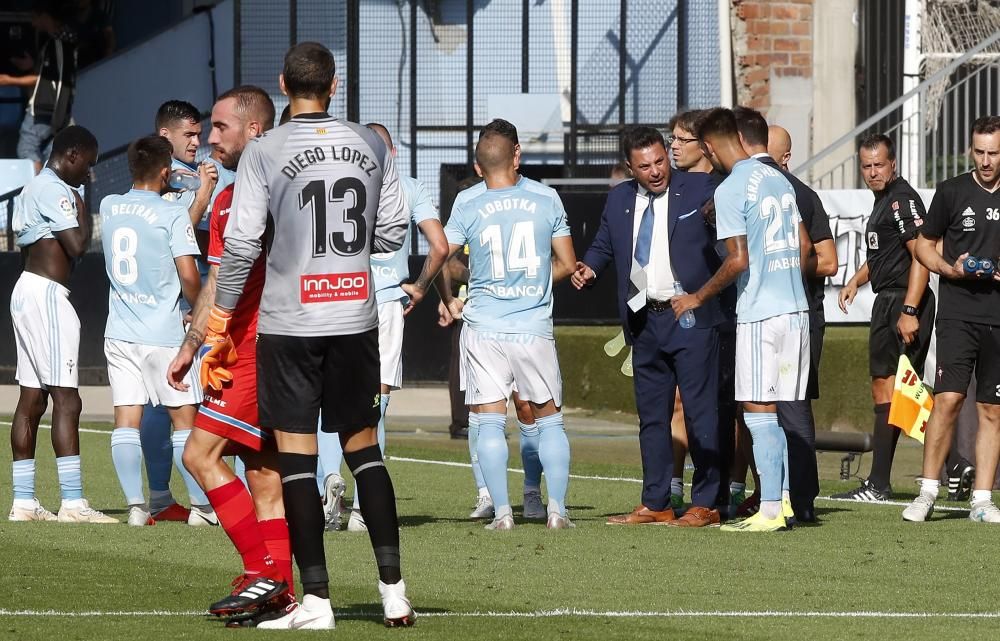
(861, 558)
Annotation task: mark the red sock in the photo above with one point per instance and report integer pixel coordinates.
(235, 510)
(275, 532)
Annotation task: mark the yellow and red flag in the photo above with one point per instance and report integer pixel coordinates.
(912, 402)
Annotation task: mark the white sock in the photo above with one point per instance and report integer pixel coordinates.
(484, 492)
(785, 495)
(770, 509)
(982, 496)
(73, 503)
(502, 511)
(930, 486)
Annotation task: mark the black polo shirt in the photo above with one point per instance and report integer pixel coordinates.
(967, 218)
(896, 216)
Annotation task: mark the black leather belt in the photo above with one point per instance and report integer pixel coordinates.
(657, 305)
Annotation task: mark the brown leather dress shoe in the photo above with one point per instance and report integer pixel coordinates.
(643, 514)
(697, 517)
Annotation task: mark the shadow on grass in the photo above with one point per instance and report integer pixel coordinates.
(365, 612)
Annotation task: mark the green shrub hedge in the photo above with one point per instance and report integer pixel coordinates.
(592, 380)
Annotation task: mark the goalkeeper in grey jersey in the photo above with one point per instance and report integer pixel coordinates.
(320, 194)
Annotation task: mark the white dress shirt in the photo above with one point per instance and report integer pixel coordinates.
(660, 276)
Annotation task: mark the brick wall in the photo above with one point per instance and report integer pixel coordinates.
(770, 38)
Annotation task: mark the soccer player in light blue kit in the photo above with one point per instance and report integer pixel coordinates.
(395, 299)
(51, 226)
(180, 123)
(519, 244)
(149, 250)
(757, 216)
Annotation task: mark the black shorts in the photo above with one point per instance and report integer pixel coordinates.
(962, 347)
(300, 376)
(817, 333)
(885, 345)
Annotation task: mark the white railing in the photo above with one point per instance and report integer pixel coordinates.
(932, 139)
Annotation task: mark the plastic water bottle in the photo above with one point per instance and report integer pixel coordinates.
(183, 180)
(687, 318)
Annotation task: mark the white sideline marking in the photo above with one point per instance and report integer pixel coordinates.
(562, 612)
(515, 470)
(86, 430)
(582, 477)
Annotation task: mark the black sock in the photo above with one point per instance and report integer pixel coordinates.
(378, 507)
(304, 512)
(884, 447)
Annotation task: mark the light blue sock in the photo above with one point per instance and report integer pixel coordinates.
(240, 470)
(492, 450)
(769, 452)
(24, 480)
(553, 451)
(126, 454)
(157, 451)
(383, 404)
(70, 477)
(784, 470)
(195, 493)
(529, 456)
(477, 470)
(330, 456)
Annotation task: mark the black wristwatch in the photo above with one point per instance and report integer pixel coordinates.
(910, 310)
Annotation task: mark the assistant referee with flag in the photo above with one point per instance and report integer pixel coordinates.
(903, 311)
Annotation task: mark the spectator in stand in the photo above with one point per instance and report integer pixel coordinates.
(96, 37)
(52, 74)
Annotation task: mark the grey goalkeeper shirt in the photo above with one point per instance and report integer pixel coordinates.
(328, 195)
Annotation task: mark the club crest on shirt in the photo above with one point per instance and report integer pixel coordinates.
(872, 240)
(66, 207)
(189, 232)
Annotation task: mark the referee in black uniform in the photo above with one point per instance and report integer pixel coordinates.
(965, 216)
(903, 312)
(796, 417)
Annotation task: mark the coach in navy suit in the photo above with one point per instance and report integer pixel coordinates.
(653, 231)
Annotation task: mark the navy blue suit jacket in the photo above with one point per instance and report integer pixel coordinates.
(693, 257)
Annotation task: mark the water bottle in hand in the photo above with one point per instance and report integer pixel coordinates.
(687, 318)
(181, 180)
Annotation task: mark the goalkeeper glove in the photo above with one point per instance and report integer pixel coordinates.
(218, 353)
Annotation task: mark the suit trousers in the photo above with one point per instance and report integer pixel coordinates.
(665, 356)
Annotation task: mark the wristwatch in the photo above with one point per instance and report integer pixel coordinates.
(910, 310)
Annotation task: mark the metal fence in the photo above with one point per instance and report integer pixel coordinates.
(569, 73)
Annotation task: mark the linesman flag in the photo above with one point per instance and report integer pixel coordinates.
(911, 401)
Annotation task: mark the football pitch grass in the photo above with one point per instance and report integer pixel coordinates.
(861, 574)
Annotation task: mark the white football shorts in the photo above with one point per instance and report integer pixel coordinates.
(772, 359)
(390, 342)
(138, 374)
(46, 333)
(497, 364)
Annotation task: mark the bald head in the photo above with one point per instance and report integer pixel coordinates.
(382, 132)
(779, 145)
(494, 154)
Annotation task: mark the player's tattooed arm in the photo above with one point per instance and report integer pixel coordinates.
(437, 255)
(737, 261)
